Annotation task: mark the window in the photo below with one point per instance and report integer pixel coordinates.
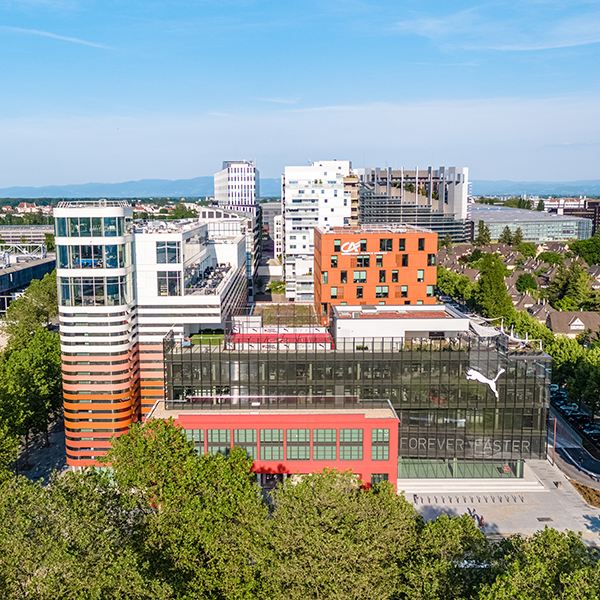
(377, 478)
(362, 261)
(246, 439)
(419, 302)
(430, 291)
(334, 292)
(343, 276)
(421, 244)
(394, 276)
(405, 260)
(381, 291)
(298, 444)
(404, 291)
(431, 260)
(359, 292)
(351, 444)
(110, 226)
(407, 302)
(324, 277)
(385, 245)
(337, 244)
(363, 245)
(402, 244)
(324, 308)
(168, 252)
(420, 275)
(360, 276)
(218, 441)
(334, 261)
(271, 444)
(381, 276)
(324, 444)
(379, 260)
(380, 444)
(169, 283)
(197, 437)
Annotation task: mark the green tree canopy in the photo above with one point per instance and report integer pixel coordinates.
(490, 294)
(517, 237)
(484, 237)
(527, 249)
(552, 258)
(35, 308)
(525, 282)
(588, 249)
(540, 206)
(506, 236)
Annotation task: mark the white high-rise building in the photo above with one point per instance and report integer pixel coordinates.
(237, 186)
(311, 195)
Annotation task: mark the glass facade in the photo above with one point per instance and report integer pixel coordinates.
(449, 425)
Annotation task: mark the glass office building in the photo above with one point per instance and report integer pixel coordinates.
(451, 421)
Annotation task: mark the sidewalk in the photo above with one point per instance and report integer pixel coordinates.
(45, 460)
(556, 504)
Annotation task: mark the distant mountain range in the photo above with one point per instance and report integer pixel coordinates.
(145, 188)
(540, 188)
(203, 186)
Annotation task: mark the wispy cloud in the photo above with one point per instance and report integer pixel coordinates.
(529, 26)
(54, 36)
(280, 100)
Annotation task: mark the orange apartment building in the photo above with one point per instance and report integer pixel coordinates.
(363, 265)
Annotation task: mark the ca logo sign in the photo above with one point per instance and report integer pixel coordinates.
(350, 247)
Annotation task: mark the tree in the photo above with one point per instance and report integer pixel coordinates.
(558, 284)
(579, 284)
(540, 207)
(9, 444)
(517, 237)
(490, 294)
(446, 243)
(25, 315)
(483, 235)
(31, 386)
(182, 212)
(565, 354)
(71, 539)
(203, 518)
(331, 539)
(552, 258)
(527, 249)
(526, 282)
(454, 285)
(548, 565)
(506, 236)
(49, 241)
(588, 249)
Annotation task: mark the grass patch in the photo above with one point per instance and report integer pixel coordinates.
(290, 314)
(590, 495)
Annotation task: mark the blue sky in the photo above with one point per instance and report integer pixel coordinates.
(116, 90)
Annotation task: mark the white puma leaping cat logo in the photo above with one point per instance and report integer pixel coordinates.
(477, 376)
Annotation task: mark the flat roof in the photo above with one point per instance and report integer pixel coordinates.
(364, 229)
(160, 412)
(501, 214)
(398, 314)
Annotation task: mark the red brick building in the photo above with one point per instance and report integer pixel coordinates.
(363, 265)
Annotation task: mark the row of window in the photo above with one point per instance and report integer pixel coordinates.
(92, 226)
(364, 260)
(111, 256)
(325, 443)
(95, 291)
(381, 291)
(385, 245)
(361, 276)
